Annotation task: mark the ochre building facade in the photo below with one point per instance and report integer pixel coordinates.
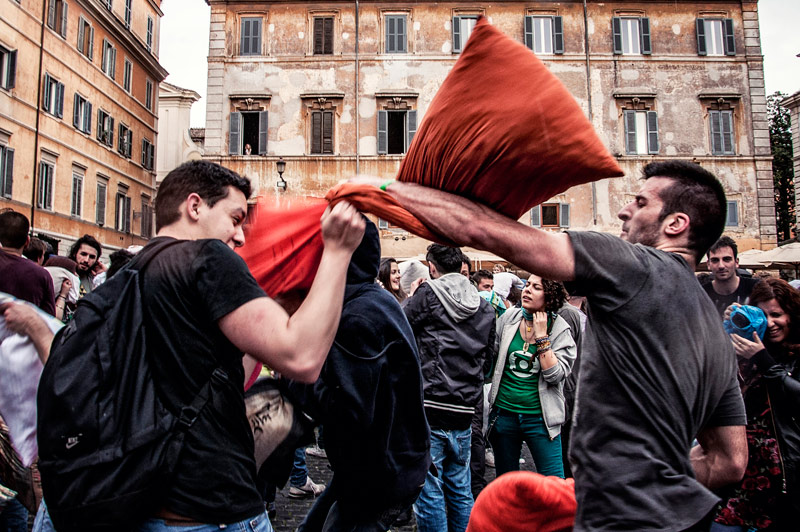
(78, 117)
(338, 88)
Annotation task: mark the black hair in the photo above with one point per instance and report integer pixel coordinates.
(90, 241)
(208, 180)
(697, 193)
(555, 294)
(35, 249)
(480, 275)
(725, 242)
(118, 259)
(384, 276)
(446, 259)
(14, 228)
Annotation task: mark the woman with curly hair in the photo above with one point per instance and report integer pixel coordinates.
(768, 496)
(535, 355)
(389, 276)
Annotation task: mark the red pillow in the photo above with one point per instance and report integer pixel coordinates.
(504, 131)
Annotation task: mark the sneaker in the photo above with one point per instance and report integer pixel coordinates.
(489, 458)
(309, 490)
(315, 450)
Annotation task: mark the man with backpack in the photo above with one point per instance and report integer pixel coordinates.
(202, 309)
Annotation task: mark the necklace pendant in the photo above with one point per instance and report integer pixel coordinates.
(525, 346)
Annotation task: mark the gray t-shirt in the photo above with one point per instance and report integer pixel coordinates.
(657, 367)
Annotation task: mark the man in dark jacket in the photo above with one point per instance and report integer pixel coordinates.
(369, 399)
(455, 332)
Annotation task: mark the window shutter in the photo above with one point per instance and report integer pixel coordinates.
(49, 190)
(563, 219)
(402, 35)
(59, 100)
(411, 123)
(630, 132)
(456, 34)
(730, 38)
(716, 132)
(316, 132)
(90, 51)
(81, 34)
(12, 69)
(644, 35)
(129, 143)
(100, 125)
(101, 204)
(529, 31)
(263, 124)
(234, 141)
(64, 8)
(327, 132)
(652, 132)
(318, 36)
(51, 14)
(110, 141)
(328, 44)
(76, 111)
(8, 168)
(383, 132)
(558, 35)
(151, 157)
(536, 216)
(46, 99)
(616, 28)
(113, 63)
(88, 118)
(255, 37)
(732, 218)
(144, 152)
(701, 37)
(244, 42)
(726, 121)
(391, 35)
(121, 140)
(127, 202)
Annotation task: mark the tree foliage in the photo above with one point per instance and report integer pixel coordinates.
(780, 139)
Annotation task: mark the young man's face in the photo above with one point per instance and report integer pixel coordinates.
(485, 285)
(86, 258)
(640, 218)
(722, 264)
(224, 221)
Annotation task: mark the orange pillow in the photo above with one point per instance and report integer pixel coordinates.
(504, 131)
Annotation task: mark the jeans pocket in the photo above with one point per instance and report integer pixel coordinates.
(463, 444)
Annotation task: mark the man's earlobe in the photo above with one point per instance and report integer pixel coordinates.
(193, 206)
(677, 223)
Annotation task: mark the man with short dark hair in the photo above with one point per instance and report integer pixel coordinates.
(35, 250)
(483, 280)
(455, 331)
(19, 276)
(727, 287)
(86, 254)
(658, 370)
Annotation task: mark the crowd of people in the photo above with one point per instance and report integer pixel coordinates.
(608, 359)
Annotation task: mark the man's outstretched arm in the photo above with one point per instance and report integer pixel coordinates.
(467, 223)
(721, 457)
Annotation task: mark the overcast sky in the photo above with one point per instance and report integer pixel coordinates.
(184, 47)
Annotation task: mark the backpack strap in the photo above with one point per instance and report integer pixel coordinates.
(189, 413)
(143, 258)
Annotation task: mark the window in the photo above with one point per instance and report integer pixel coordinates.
(82, 114)
(147, 218)
(544, 35)
(57, 16)
(732, 219)
(322, 132)
(721, 127)
(6, 170)
(550, 215)
(123, 218)
(128, 13)
(715, 37)
(109, 5)
(250, 42)
(396, 131)
(148, 95)
(77, 191)
(53, 96)
(44, 196)
(248, 129)
(148, 154)
(631, 35)
(126, 76)
(462, 28)
(125, 141)
(109, 59)
(105, 128)
(100, 210)
(149, 41)
(396, 34)
(383, 224)
(323, 35)
(85, 38)
(8, 68)
(641, 132)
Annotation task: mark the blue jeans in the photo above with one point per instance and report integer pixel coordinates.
(446, 499)
(508, 433)
(14, 517)
(257, 523)
(299, 470)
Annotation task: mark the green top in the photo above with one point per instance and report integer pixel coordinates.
(519, 386)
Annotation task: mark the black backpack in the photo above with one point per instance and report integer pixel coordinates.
(107, 444)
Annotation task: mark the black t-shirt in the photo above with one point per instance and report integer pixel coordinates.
(656, 368)
(740, 295)
(188, 287)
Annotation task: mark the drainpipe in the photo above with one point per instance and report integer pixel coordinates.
(589, 97)
(357, 98)
(38, 112)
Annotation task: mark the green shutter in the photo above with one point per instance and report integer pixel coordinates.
(59, 100)
(12, 70)
(456, 34)
(46, 99)
(701, 37)
(8, 172)
(616, 28)
(263, 125)
(316, 132)
(558, 35)
(244, 42)
(383, 132)
(411, 124)
(730, 37)
(327, 132)
(644, 36)
(235, 136)
(652, 132)
(318, 34)
(716, 132)
(630, 132)
(528, 30)
(76, 111)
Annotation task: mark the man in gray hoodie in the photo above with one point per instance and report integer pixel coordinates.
(455, 331)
